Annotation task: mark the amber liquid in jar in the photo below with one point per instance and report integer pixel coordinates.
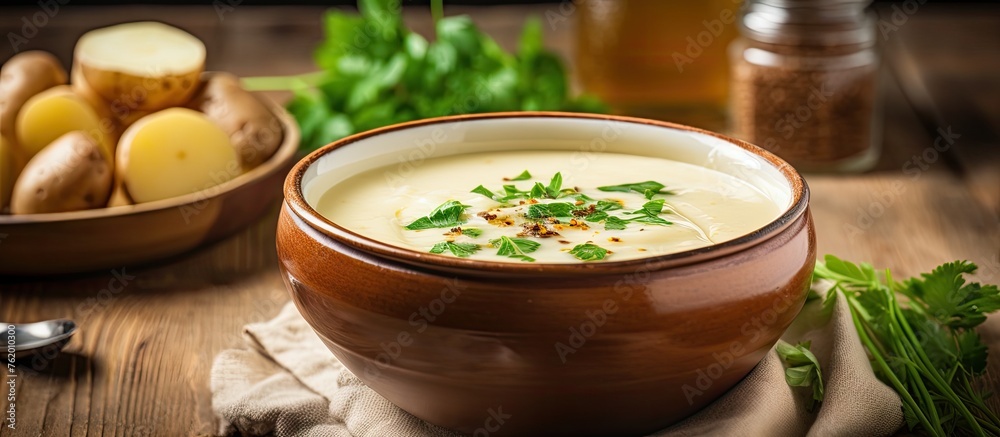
(664, 59)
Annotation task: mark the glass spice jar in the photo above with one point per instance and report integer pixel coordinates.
(805, 83)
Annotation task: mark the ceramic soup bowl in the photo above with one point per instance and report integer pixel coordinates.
(600, 348)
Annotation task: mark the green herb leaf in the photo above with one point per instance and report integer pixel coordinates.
(484, 191)
(802, 369)
(588, 252)
(648, 188)
(555, 185)
(521, 177)
(650, 213)
(446, 215)
(596, 216)
(472, 232)
(608, 205)
(946, 296)
(613, 223)
(461, 250)
(543, 210)
(515, 247)
(537, 191)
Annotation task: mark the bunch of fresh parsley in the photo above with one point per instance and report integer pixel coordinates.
(920, 336)
(376, 72)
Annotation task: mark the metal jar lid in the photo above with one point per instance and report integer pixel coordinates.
(809, 22)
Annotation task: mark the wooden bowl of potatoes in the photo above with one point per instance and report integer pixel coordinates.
(133, 155)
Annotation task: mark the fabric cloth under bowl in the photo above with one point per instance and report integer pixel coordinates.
(287, 383)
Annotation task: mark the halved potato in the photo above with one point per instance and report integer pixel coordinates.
(146, 65)
(25, 75)
(55, 112)
(118, 114)
(174, 152)
(71, 174)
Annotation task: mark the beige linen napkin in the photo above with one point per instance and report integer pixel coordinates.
(288, 384)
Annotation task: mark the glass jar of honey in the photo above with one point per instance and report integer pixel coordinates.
(663, 59)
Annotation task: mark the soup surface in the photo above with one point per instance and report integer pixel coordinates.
(548, 206)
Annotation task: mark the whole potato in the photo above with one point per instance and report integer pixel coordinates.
(70, 174)
(253, 130)
(23, 76)
(10, 166)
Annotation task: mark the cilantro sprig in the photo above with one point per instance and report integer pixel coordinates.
(923, 346)
(375, 72)
(525, 175)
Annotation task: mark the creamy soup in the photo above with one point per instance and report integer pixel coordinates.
(548, 207)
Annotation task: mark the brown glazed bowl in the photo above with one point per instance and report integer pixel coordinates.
(611, 348)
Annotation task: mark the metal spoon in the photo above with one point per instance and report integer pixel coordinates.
(32, 338)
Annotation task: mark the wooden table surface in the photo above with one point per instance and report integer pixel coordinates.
(140, 362)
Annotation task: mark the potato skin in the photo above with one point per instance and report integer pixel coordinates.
(117, 114)
(70, 174)
(253, 130)
(11, 163)
(143, 93)
(25, 75)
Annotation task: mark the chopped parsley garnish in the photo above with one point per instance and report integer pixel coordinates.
(461, 250)
(607, 205)
(538, 191)
(596, 216)
(615, 224)
(543, 210)
(515, 247)
(648, 188)
(446, 215)
(589, 252)
(472, 232)
(650, 213)
(535, 209)
(554, 185)
(521, 177)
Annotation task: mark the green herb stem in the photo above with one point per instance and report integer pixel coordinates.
(437, 11)
(932, 372)
(888, 373)
(284, 83)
